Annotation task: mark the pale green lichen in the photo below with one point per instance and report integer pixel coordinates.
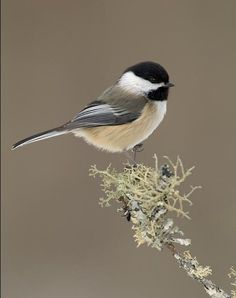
(196, 270)
(199, 273)
(232, 275)
(148, 194)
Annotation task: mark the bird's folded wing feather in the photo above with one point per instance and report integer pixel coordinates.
(99, 113)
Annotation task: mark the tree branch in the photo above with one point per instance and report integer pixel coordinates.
(189, 266)
(147, 195)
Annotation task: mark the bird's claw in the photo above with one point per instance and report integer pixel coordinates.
(138, 148)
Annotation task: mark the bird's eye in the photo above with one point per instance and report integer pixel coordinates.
(152, 79)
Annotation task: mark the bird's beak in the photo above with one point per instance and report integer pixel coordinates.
(168, 85)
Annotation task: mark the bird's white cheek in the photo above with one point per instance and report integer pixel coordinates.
(137, 85)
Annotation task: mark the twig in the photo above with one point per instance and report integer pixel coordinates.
(189, 265)
(147, 195)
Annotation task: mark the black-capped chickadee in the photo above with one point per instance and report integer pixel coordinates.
(124, 115)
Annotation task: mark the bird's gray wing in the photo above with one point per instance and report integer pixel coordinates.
(101, 112)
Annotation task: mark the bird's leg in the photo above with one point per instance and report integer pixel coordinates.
(137, 148)
(130, 158)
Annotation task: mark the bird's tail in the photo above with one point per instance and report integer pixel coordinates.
(41, 136)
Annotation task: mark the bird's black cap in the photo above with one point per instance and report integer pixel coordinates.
(150, 71)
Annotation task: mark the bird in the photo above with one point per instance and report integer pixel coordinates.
(123, 116)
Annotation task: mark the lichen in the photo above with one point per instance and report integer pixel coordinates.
(232, 275)
(196, 270)
(148, 195)
(150, 198)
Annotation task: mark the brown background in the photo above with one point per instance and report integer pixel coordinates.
(59, 55)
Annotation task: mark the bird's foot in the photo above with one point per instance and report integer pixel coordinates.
(137, 148)
(132, 158)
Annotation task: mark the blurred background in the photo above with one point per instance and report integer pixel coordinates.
(58, 56)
